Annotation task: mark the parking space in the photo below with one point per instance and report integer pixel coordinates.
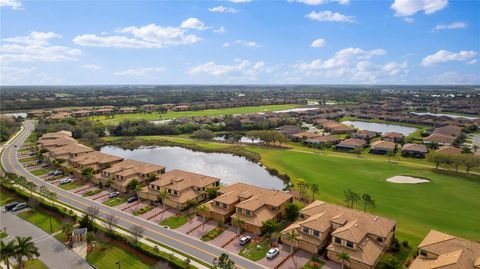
(101, 196)
(82, 189)
(298, 260)
(200, 231)
(137, 206)
(152, 213)
(235, 246)
(224, 237)
(272, 263)
(166, 214)
(194, 222)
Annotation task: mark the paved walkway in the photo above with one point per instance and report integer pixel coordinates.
(53, 253)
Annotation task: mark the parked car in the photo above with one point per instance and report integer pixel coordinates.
(55, 173)
(19, 207)
(31, 153)
(11, 205)
(272, 253)
(113, 194)
(132, 199)
(245, 239)
(65, 180)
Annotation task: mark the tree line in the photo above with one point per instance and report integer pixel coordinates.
(467, 161)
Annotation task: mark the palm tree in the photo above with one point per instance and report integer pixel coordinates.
(162, 195)
(25, 248)
(314, 188)
(67, 228)
(292, 237)
(344, 257)
(201, 209)
(88, 173)
(367, 201)
(237, 221)
(6, 252)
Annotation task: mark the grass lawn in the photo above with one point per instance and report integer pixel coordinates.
(208, 112)
(313, 264)
(33, 264)
(174, 222)
(254, 253)
(72, 185)
(115, 201)
(3, 235)
(91, 192)
(40, 219)
(6, 198)
(41, 171)
(105, 256)
(143, 210)
(449, 203)
(23, 150)
(29, 159)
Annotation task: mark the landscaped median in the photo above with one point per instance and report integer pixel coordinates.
(91, 192)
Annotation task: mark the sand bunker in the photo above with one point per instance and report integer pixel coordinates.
(407, 180)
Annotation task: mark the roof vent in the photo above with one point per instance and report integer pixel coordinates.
(376, 218)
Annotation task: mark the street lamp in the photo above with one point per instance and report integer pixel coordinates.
(118, 263)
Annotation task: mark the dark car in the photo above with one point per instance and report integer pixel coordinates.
(55, 173)
(19, 207)
(132, 199)
(11, 205)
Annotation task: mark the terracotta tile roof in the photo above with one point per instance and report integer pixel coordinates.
(368, 252)
(56, 135)
(451, 251)
(71, 149)
(130, 167)
(450, 130)
(307, 135)
(449, 150)
(440, 138)
(383, 145)
(57, 142)
(180, 180)
(95, 157)
(252, 197)
(324, 139)
(353, 142)
(415, 147)
(392, 135)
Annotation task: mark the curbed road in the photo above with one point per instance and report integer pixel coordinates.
(183, 243)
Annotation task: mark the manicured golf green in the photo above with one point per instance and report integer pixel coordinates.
(41, 219)
(182, 114)
(106, 256)
(448, 203)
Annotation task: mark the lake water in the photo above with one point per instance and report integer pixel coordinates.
(229, 168)
(299, 109)
(381, 127)
(242, 139)
(17, 114)
(445, 115)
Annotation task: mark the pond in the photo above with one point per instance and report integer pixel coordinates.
(453, 116)
(240, 139)
(229, 168)
(17, 114)
(381, 127)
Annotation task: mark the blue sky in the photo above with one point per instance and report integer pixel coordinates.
(240, 42)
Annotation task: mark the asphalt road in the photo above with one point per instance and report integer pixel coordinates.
(183, 243)
(52, 253)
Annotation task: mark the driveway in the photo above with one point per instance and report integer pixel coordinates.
(136, 207)
(194, 222)
(224, 237)
(152, 213)
(200, 231)
(298, 260)
(272, 263)
(235, 246)
(167, 214)
(53, 253)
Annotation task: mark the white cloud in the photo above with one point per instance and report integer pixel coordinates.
(220, 30)
(193, 23)
(329, 16)
(474, 61)
(238, 70)
(92, 66)
(410, 7)
(320, 2)
(13, 4)
(353, 65)
(245, 43)
(36, 47)
(443, 56)
(139, 72)
(223, 9)
(453, 25)
(409, 20)
(148, 36)
(240, 1)
(318, 43)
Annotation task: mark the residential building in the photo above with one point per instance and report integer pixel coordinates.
(96, 160)
(365, 237)
(364, 134)
(181, 108)
(351, 144)
(253, 205)
(127, 110)
(82, 113)
(451, 130)
(393, 137)
(322, 140)
(67, 152)
(449, 150)
(49, 144)
(439, 139)
(289, 130)
(182, 188)
(414, 150)
(382, 147)
(304, 135)
(441, 250)
(123, 172)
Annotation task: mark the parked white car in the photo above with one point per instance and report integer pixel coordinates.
(113, 194)
(272, 253)
(65, 180)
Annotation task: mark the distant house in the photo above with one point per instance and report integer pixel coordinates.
(104, 111)
(149, 107)
(182, 187)
(254, 205)
(449, 150)
(304, 135)
(440, 250)
(451, 130)
(382, 147)
(289, 130)
(96, 160)
(351, 144)
(365, 134)
(439, 139)
(414, 150)
(363, 236)
(393, 137)
(67, 152)
(324, 140)
(181, 108)
(127, 110)
(334, 127)
(82, 113)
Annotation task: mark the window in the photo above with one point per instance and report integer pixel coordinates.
(239, 210)
(152, 186)
(316, 233)
(225, 206)
(274, 208)
(305, 230)
(302, 216)
(349, 244)
(338, 240)
(423, 253)
(247, 212)
(380, 239)
(217, 204)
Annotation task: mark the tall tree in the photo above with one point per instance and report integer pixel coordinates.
(315, 189)
(223, 262)
(344, 257)
(25, 248)
(111, 221)
(31, 186)
(292, 237)
(237, 221)
(7, 251)
(67, 229)
(291, 211)
(137, 231)
(93, 212)
(351, 197)
(88, 173)
(367, 201)
(201, 209)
